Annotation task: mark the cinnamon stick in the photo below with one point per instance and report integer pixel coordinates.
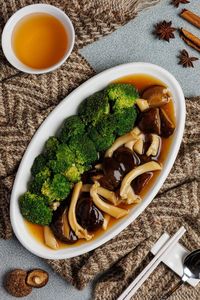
(190, 39)
(191, 17)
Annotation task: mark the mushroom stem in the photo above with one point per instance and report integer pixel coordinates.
(125, 185)
(131, 136)
(154, 147)
(112, 210)
(139, 145)
(50, 239)
(86, 188)
(106, 221)
(109, 195)
(79, 230)
(132, 198)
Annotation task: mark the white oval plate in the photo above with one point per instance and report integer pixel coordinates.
(50, 126)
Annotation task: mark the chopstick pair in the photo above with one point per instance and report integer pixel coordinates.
(140, 279)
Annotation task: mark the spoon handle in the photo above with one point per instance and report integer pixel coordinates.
(176, 287)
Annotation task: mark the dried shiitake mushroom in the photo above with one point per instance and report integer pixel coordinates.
(16, 285)
(37, 278)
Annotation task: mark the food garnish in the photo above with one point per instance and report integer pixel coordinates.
(190, 39)
(37, 278)
(190, 17)
(176, 3)
(98, 164)
(164, 30)
(185, 60)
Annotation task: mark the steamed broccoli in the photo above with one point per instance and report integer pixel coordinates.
(37, 182)
(34, 208)
(102, 141)
(73, 173)
(65, 154)
(123, 95)
(57, 166)
(56, 189)
(84, 150)
(38, 164)
(51, 146)
(72, 126)
(125, 120)
(94, 108)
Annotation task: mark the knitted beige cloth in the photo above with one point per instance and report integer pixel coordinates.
(25, 101)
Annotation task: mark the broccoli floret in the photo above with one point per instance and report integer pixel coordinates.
(57, 166)
(51, 147)
(94, 108)
(38, 164)
(37, 182)
(74, 172)
(101, 141)
(125, 120)
(65, 154)
(84, 150)
(34, 208)
(56, 189)
(107, 126)
(72, 126)
(123, 95)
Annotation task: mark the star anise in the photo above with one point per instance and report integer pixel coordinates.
(185, 60)
(176, 3)
(164, 30)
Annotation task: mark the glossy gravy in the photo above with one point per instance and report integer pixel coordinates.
(141, 81)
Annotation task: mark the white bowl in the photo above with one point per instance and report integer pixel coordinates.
(50, 126)
(6, 39)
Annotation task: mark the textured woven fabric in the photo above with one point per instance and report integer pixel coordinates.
(25, 101)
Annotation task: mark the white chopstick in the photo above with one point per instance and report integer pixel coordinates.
(140, 279)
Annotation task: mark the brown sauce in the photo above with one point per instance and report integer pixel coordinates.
(141, 81)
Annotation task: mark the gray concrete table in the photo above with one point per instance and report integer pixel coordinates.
(133, 42)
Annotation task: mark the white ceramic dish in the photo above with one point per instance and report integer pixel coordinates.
(6, 38)
(49, 127)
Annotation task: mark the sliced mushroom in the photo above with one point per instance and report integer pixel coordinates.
(108, 195)
(98, 166)
(86, 188)
(106, 221)
(60, 226)
(142, 104)
(157, 95)
(50, 239)
(167, 127)
(113, 174)
(88, 215)
(112, 210)
(78, 229)
(130, 145)
(139, 183)
(148, 167)
(139, 145)
(149, 121)
(15, 283)
(155, 145)
(120, 141)
(126, 158)
(132, 198)
(136, 130)
(37, 278)
(55, 205)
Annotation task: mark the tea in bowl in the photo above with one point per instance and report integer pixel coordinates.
(38, 38)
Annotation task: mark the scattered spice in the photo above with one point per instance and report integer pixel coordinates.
(164, 30)
(176, 3)
(191, 17)
(190, 39)
(15, 283)
(185, 60)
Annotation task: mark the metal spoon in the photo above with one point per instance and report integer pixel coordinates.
(191, 269)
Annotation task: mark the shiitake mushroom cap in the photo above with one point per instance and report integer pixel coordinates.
(15, 283)
(37, 278)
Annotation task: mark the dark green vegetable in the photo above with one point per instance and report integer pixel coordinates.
(34, 208)
(94, 108)
(56, 189)
(37, 182)
(51, 147)
(74, 172)
(38, 164)
(121, 95)
(102, 141)
(84, 150)
(65, 154)
(72, 126)
(125, 120)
